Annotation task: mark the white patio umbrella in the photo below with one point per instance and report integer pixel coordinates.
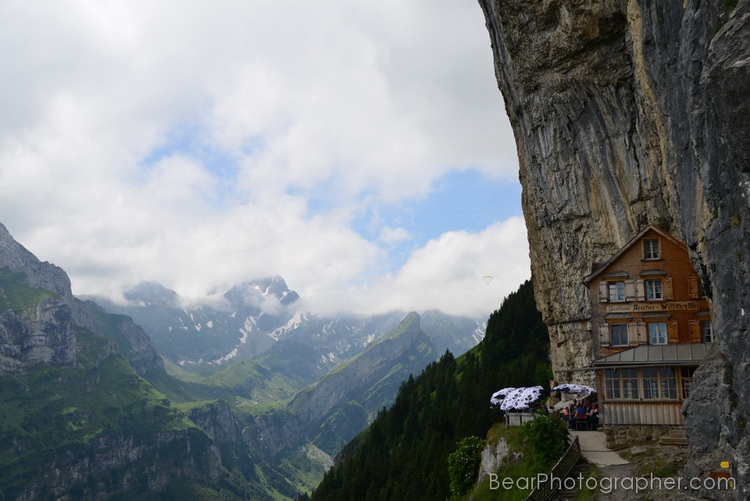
(498, 397)
(574, 389)
(521, 398)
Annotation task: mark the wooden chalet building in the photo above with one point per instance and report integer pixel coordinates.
(652, 327)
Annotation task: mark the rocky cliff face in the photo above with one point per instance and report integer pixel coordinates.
(39, 318)
(44, 334)
(77, 420)
(626, 113)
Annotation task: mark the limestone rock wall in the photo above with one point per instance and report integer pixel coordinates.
(492, 457)
(111, 465)
(628, 113)
(44, 330)
(45, 334)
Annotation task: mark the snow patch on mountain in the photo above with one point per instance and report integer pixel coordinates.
(226, 357)
(291, 324)
(478, 333)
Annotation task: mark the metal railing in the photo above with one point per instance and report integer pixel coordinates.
(561, 470)
(519, 418)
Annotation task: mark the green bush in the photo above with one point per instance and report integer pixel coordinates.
(463, 464)
(547, 437)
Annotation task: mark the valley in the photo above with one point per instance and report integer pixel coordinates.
(264, 410)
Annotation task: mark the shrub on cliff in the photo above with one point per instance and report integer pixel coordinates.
(547, 438)
(463, 464)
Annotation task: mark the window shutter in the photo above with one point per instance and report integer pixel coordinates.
(673, 333)
(667, 288)
(604, 337)
(694, 288)
(633, 333)
(603, 292)
(630, 290)
(695, 331)
(640, 291)
(642, 333)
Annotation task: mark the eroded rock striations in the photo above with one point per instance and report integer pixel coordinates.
(628, 113)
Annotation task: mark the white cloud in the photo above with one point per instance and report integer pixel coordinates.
(448, 274)
(392, 235)
(184, 142)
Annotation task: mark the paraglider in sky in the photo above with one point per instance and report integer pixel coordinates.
(487, 279)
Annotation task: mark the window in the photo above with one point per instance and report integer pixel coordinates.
(659, 383)
(619, 334)
(621, 383)
(616, 291)
(706, 333)
(657, 333)
(651, 249)
(654, 290)
(686, 379)
(650, 383)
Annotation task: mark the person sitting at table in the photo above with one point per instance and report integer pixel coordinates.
(572, 417)
(581, 412)
(580, 415)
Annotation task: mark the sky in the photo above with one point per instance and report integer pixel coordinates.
(360, 150)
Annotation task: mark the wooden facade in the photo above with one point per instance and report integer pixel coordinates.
(637, 413)
(651, 325)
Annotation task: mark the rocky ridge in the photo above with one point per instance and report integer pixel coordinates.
(263, 319)
(362, 377)
(78, 420)
(628, 113)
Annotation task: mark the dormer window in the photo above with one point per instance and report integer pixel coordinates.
(651, 249)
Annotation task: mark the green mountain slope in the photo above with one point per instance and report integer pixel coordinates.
(104, 426)
(78, 419)
(90, 412)
(403, 454)
(295, 440)
(100, 418)
(86, 428)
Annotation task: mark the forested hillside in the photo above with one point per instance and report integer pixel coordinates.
(403, 454)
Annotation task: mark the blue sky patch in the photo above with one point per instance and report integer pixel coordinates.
(461, 200)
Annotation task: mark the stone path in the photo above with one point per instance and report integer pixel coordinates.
(594, 449)
(610, 464)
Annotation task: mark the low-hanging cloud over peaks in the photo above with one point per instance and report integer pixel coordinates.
(200, 144)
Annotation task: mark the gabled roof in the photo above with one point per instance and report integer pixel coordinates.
(630, 244)
(647, 355)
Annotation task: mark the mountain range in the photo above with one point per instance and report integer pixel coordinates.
(264, 320)
(92, 410)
